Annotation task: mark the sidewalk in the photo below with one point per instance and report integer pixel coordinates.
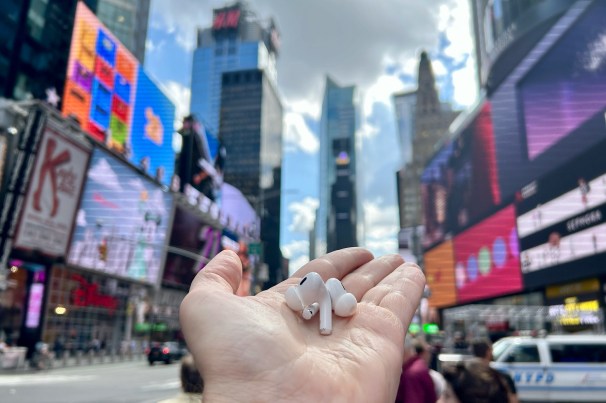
(82, 359)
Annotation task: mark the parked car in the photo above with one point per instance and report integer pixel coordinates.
(166, 352)
(566, 368)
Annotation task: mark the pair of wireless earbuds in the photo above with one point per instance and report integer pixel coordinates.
(313, 295)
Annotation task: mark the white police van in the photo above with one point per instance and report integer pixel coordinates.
(566, 368)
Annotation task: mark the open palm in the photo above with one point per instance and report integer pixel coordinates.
(257, 349)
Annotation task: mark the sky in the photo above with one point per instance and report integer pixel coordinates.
(372, 45)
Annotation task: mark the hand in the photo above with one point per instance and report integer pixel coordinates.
(257, 349)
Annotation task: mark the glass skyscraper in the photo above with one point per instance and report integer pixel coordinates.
(237, 40)
(336, 226)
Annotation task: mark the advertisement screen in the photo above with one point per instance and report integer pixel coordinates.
(487, 258)
(439, 271)
(565, 88)
(462, 179)
(122, 222)
(562, 221)
(53, 195)
(549, 109)
(192, 244)
(108, 92)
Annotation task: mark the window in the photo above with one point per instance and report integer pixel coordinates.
(523, 353)
(571, 353)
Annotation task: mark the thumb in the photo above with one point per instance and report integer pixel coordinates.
(222, 274)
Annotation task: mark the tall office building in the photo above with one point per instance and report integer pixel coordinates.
(237, 40)
(36, 36)
(337, 213)
(251, 133)
(127, 19)
(430, 119)
(404, 106)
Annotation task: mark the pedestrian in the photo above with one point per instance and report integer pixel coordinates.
(192, 384)
(472, 382)
(256, 348)
(481, 349)
(416, 383)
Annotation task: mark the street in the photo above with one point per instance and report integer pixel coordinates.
(118, 382)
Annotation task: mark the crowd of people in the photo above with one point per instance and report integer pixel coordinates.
(257, 349)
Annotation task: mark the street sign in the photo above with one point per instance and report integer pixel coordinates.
(254, 248)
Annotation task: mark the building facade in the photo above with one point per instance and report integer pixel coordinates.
(337, 214)
(237, 40)
(127, 19)
(36, 36)
(514, 199)
(422, 114)
(251, 133)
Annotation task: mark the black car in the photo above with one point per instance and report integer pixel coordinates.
(166, 352)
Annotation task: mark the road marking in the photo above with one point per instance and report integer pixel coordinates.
(42, 379)
(162, 386)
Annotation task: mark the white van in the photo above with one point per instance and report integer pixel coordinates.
(566, 368)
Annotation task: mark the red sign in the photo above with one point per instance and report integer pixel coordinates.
(487, 258)
(227, 19)
(87, 294)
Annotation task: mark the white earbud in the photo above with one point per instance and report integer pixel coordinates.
(343, 303)
(311, 289)
(310, 311)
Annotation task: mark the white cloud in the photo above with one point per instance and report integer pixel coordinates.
(295, 248)
(298, 135)
(438, 68)
(149, 46)
(381, 227)
(303, 214)
(465, 84)
(180, 95)
(296, 263)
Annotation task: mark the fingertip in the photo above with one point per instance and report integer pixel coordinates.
(224, 271)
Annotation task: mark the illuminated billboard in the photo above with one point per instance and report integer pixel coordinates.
(122, 222)
(192, 244)
(439, 271)
(460, 185)
(487, 258)
(562, 221)
(550, 109)
(108, 92)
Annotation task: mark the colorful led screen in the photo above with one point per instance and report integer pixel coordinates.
(439, 271)
(122, 222)
(460, 185)
(108, 92)
(192, 244)
(487, 258)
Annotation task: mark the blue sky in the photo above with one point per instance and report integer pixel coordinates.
(376, 51)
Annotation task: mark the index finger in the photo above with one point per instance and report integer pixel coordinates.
(334, 264)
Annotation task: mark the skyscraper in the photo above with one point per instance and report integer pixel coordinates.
(337, 213)
(430, 121)
(127, 19)
(36, 35)
(237, 40)
(251, 132)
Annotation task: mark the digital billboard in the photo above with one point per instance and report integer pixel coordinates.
(108, 92)
(439, 271)
(122, 221)
(562, 221)
(487, 258)
(460, 185)
(53, 194)
(192, 244)
(550, 109)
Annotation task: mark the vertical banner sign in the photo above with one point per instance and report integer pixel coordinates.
(52, 198)
(17, 183)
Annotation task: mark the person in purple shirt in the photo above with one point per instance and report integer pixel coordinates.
(416, 385)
